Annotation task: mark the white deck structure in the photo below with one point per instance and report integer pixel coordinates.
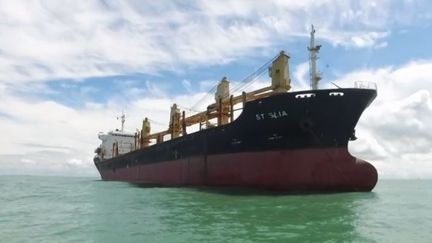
(115, 142)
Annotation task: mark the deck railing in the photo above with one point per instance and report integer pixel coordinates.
(365, 85)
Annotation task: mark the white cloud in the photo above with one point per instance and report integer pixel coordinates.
(365, 39)
(396, 130)
(45, 40)
(301, 77)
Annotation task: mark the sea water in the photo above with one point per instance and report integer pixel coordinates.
(67, 209)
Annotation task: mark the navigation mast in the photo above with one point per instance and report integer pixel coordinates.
(315, 77)
(123, 119)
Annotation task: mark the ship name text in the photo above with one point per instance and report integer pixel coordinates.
(271, 115)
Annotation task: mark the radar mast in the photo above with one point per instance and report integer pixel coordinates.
(123, 119)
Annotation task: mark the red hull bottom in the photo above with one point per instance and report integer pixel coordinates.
(306, 170)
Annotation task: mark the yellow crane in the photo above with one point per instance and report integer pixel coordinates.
(223, 108)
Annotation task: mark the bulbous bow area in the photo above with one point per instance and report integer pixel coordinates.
(344, 172)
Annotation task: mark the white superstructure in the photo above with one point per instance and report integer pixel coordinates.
(115, 143)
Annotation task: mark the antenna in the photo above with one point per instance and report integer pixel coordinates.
(123, 119)
(313, 57)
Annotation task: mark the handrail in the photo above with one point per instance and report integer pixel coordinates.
(365, 85)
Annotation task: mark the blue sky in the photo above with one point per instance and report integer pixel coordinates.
(67, 69)
(403, 46)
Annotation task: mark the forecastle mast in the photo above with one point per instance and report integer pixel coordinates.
(315, 77)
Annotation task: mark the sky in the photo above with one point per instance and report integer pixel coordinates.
(69, 68)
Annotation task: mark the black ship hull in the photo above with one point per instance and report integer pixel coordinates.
(294, 141)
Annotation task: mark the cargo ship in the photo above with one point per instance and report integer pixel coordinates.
(281, 140)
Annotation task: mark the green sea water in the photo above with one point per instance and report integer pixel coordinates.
(65, 209)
